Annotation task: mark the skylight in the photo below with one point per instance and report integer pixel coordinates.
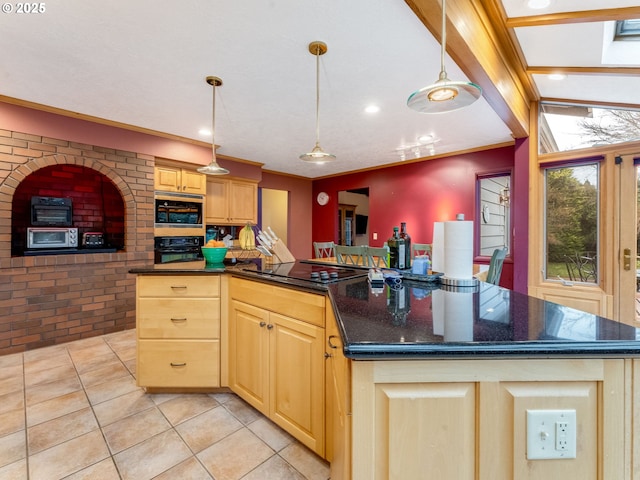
(627, 30)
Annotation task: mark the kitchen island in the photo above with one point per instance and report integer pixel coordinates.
(427, 382)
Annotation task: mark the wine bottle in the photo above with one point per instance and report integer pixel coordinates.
(407, 244)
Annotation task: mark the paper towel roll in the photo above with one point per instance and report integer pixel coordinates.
(458, 250)
(437, 248)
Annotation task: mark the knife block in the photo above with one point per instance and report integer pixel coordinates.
(282, 253)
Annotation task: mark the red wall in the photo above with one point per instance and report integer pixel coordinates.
(416, 193)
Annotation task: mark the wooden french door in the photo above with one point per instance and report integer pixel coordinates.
(627, 265)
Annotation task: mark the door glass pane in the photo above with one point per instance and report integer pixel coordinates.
(494, 213)
(571, 223)
(637, 262)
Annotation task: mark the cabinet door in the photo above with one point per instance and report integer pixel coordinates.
(248, 354)
(297, 379)
(243, 202)
(167, 179)
(217, 201)
(194, 182)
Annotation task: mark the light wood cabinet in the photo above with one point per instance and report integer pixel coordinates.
(276, 361)
(467, 419)
(175, 179)
(178, 331)
(231, 201)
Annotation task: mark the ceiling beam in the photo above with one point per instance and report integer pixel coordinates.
(610, 14)
(625, 71)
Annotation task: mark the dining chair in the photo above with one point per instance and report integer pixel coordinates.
(495, 265)
(378, 256)
(324, 249)
(351, 255)
(420, 249)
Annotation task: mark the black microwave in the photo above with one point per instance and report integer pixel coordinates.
(51, 212)
(178, 210)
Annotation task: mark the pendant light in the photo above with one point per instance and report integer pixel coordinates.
(444, 95)
(317, 155)
(213, 168)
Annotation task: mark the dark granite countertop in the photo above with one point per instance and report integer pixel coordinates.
(425, 320)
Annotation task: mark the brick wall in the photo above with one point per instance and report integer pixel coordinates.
(52, 299)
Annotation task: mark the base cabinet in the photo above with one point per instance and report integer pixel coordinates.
(178, 329)
(466, 420)
(276, 362)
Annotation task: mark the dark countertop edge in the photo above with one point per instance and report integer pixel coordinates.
(611, 348)
(177, 271)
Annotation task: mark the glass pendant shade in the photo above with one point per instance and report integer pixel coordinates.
(317, 155)
(444, 95)
(213, 168)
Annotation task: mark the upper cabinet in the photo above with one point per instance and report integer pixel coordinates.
(176, 179)
(231, 201)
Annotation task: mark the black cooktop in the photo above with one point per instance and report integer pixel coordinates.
(309, 272)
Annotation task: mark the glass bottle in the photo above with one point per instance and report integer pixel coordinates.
(397, 250)
(407, 244)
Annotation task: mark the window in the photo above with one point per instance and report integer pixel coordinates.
(628, 30)
(571, 222)
(564, 127)
(493, 214)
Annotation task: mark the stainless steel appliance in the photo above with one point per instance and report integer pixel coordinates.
(51, 212)
(52, 237)
(178, 214)
(92, 239)
(308, 272)
(173, 249)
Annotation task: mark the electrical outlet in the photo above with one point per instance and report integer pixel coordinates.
(551, 434)
(375, 235)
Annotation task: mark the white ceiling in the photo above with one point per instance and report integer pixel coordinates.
(144, 63)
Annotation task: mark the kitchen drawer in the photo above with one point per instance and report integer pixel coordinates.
(286, 301)
(178, 318)
(177, 286)
(178, 363)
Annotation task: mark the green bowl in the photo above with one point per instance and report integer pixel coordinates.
(214, 254)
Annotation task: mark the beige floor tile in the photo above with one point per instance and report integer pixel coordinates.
(122, 406)
(131, 366)
(13, 447)
(208, 428)
(235, 456)
(96, 344)
(152, 457)
(12, 383)
(12, 360)
(159, 398)
(46, 391)
(48, 434)
(15, 471)
(109, 371)
(125, 352)
(306, 462)
(11, 401)
(91, 361)
(134, 429)
(45, 353)
(274, 467)
(56, 407)
(184, 407)
(113, 388)
(222, 397)
(11, 370)
(36, 377)
(190, 469)
(56, 358)
(103, 470)
(242, 410)
(11, 421)
(271, 434)
(68, 457)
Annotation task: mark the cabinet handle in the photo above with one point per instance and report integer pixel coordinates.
(327, 355)
(627, 259)
(331, 345)
(178, 286)
(262, 324)
(184, 319)
(183, 364)
(269, 326)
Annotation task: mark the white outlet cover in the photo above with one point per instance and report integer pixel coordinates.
(542, 441)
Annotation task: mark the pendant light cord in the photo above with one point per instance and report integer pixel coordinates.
(318, 95)
(443, 72)
(213, 122)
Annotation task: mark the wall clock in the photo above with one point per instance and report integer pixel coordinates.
(323, 198)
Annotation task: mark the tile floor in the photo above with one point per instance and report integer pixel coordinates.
(73, 411)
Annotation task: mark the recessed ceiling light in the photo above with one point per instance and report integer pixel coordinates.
(204, 132)
(372, 109)
(538, 3)
(557, 76)
(424, 139)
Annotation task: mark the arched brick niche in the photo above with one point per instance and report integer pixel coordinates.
(97, 203)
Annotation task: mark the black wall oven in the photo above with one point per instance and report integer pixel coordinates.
(51, 212)
(177, 249)
(178, 214)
